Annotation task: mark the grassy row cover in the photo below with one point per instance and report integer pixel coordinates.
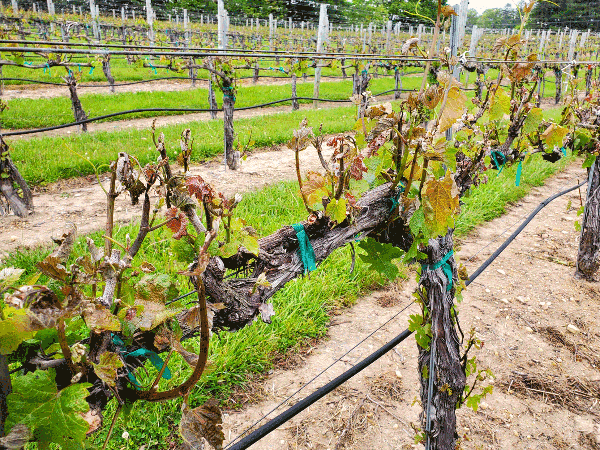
(45, 112)
(302, 308)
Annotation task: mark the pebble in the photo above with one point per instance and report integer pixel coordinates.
(529, 329)
(398, 374)
(503, 300)
(488, 291)
(572, 328)
(501, 272)
(13, 238)
(522, 299)
(483, 405)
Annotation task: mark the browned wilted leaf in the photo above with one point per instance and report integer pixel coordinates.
(177, 223)
(202, 422)
(107, 367)
(190, 357)
(65, 242)
(52, 267)
(17, 438)
(448, 11)
(410, 44)
(454, 109)
(199, 188)
(151, 314)
(440, 203)
(101, 319)
(432, 96)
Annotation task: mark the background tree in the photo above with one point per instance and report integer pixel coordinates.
(581, 14)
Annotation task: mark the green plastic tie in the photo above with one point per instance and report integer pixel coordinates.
(445, 265)
(396, 198)
(91, 70)
(307, 253)
(496, 154)
(227, 92)
(47, 67)
(518, 178)
(564, 151)
(156, 360)
(79, 65)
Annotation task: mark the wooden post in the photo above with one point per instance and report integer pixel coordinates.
(321, 37)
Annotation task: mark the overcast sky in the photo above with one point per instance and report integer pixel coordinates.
(482, 5)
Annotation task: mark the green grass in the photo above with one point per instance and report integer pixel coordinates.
(38, 113)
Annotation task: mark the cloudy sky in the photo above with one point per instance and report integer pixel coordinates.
(482, 5)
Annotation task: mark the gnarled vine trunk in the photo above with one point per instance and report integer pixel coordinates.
(588, 256)
(212, 100)
(398, 84)
(558, 82)
(442, 376)
(295, 105)
(5, 389)
(78, 111)
(107, 74)
(231, 154)
(13, 186)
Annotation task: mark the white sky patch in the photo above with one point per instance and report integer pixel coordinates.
(482, 5)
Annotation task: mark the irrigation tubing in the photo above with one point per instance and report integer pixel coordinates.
(339, 380)
(134, 111)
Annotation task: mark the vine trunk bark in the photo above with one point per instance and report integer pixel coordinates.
(12, 185)
(588, 256)
(107, 74)
(78, 111)
(231, 155)
(295, 105)
(442, 377)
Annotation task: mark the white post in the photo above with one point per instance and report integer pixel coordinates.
(388, 36)
(15, 7)
(321, 38)
(572, 42)
(122, 14)
(462, 23)
(221, 37)
(271, 32)
(150, 21)
(186, 25)
(94, 21)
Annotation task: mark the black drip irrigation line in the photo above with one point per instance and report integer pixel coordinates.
(339, 380)
(134, 111)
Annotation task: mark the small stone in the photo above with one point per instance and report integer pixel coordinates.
(488, 291)
(529, 329)
(395, 425)
(282, 441)
(501, 272)
(522, 299)
(503, 300)
(398, 374)
(13, 238)
(483, 405)
(572, 328)
(559, 360)
(542, 303)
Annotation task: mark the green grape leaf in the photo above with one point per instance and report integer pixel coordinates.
(107, 367)
(589, 161)
(16, 328)
(500, 105)
(336, 210)
(54, 416)
(422, 331)
(380, 257)
(417, 221)
(532, 121)
(202, 422)
(554, 135)
(250, 243)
